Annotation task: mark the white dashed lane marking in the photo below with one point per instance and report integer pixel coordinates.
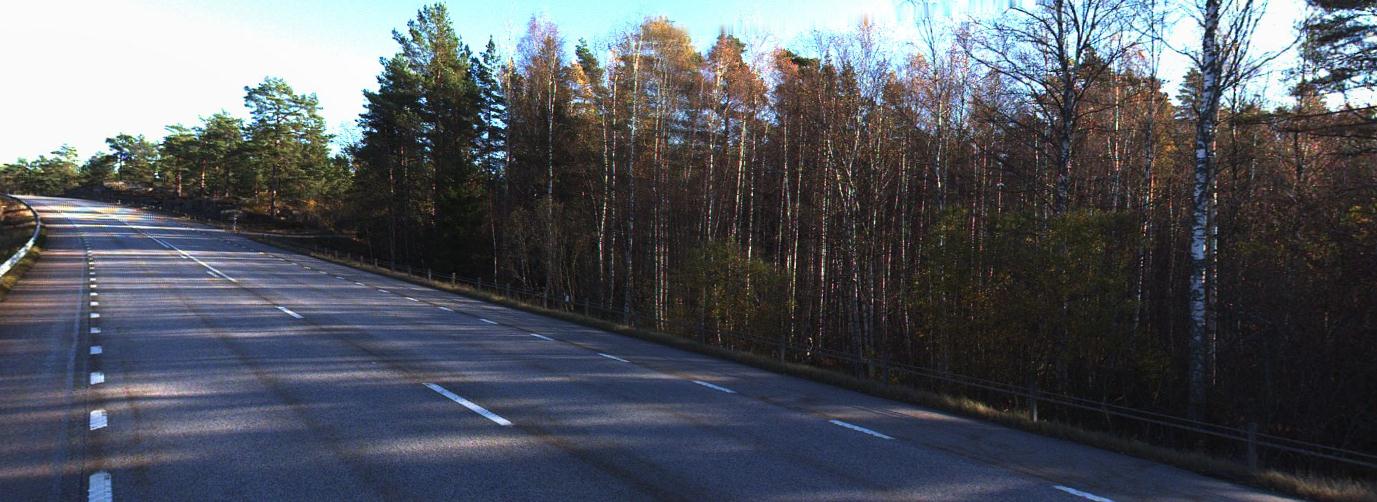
(98, 419)
(97, 350)
(714, 387)
(470, 405)
(287, 311)
(612, 357)
(542, 337)
(486, 321)
(858, 428)
(99, 489)
(1081, 494)
(97, 378)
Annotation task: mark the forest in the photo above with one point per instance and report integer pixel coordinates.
(1019, 199)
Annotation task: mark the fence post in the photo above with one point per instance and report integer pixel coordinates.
(1252, 446)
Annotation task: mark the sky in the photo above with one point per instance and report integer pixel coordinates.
(76, 73)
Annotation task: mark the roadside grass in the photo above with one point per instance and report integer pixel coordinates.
(1306, 485)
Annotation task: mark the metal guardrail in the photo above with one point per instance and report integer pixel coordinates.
(28, 246)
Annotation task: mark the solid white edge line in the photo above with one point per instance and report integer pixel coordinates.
(97, 378)
(858, 428)
(612, 357)
(99, 489)
(470, 405)
(98, 419)
(542, 337)
(1085, 495)
(714, 387)
(486, 321)
(289, 312)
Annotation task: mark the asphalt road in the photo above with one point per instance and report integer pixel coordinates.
(149, 358)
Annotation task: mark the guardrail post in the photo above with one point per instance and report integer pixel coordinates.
(453, 278)
(428, 275)
(1252, 446)
(1033, 400)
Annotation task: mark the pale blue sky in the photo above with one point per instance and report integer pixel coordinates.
(78, 72)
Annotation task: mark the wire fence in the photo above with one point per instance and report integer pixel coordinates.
(1254, 448)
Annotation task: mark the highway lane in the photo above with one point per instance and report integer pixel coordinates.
(229, 369)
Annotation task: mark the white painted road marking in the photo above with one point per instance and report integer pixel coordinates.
(97, 378)
(381, 290)
(289, 312)
(95, 304)
(412, 299)
(470, 405)
(95, 315)
(93, 293)
(99, 489)
(858, 428)
(714, 387)
(612, 357)
(97, 350)
(95, 331)
(358, 283)
(1082, 494)
(192, 258)
(486, 321)
(542, 337)
(446, 309)
(98, 419)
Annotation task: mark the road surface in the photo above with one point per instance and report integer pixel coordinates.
(148, 358)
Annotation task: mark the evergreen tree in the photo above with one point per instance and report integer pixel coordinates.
(288, 140)
(135, 158)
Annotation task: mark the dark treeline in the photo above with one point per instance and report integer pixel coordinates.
(999, 203)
